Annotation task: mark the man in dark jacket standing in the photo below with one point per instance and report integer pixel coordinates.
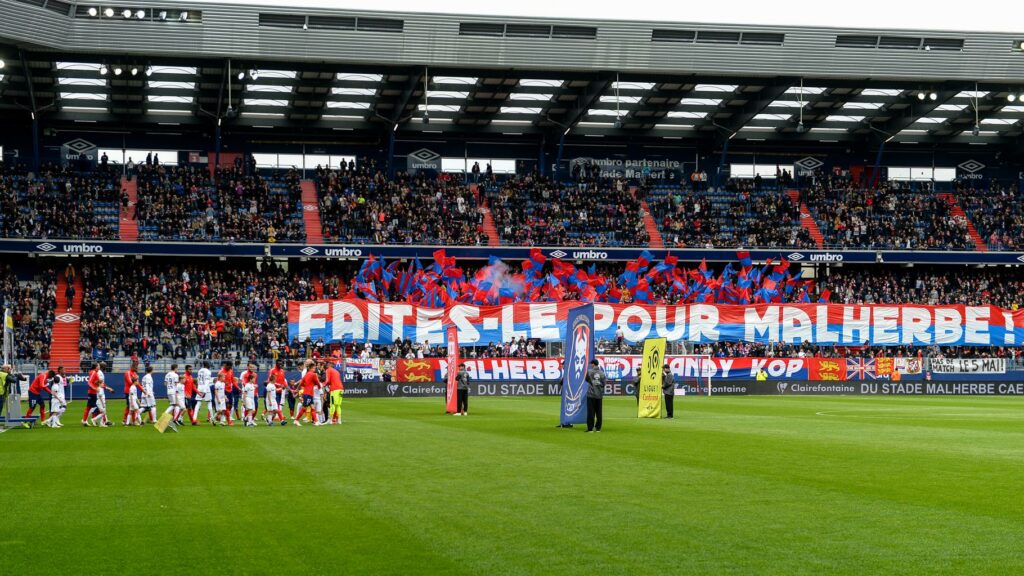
(462, 382)
(668, 388)
(596, 380)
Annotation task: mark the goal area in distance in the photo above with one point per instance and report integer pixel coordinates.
(696, 373)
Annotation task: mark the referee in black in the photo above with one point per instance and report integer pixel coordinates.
(462, 382)
(596, 380)
(668, 388)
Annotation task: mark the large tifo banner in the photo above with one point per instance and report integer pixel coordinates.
(627, 368)
(824, 324)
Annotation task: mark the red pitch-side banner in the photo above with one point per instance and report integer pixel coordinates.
(451, 400)
(824, 324)
(627, 367)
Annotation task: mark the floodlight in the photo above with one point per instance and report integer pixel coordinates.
(920, 95)
(126, 13)
(103, 69)
(118, 70)
(140, 14)
(149, 70)
(135, 71)
(1011, 97)
(933, 96)
(93, 11)
(109, 12)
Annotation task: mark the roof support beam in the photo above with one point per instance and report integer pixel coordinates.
(915, 111)
(585, 99)
(754, 106)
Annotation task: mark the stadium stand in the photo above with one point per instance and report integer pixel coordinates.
(32, 303)
(535, 211)
(738, 215)
(998, 214)
(187, 204)
(363, 206)
(891, 216)
(37, 206)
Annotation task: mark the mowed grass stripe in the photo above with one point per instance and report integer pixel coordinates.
(734, 486)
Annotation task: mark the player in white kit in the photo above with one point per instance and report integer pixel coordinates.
(318, 405)
(148, 401)
(220, 401)
(101, 403)
(272, 406)
(179, 394)
(134, 407)
(58, 402)
(205, 386)
(249, 402)
(171, 382)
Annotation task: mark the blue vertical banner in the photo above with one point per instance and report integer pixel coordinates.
(580, 348)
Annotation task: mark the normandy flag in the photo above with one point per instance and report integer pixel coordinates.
(651, 400)
(8, 340)
(451, 397)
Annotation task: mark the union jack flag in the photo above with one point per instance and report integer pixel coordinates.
(860, 369)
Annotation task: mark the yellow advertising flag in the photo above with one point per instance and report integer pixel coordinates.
(163, 422)
(651, 401)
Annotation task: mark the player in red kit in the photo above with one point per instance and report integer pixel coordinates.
(226, 375)
(309, 381)
(35, 394)
(231, 390)
(191, 406)
(130, 377)
(277, 378)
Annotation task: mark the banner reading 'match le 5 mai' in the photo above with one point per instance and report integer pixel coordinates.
(824, 324)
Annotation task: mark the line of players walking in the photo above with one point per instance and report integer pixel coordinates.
(315, 397)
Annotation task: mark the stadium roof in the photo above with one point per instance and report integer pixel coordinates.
(180, 64)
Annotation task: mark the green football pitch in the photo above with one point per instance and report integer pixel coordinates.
(757, 485)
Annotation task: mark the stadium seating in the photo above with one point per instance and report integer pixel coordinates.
(889, 217)
(998, 214)
(32, 303)
(186, 204)
(737, 215)
(37, 206)
(533, 211)
(362, 206)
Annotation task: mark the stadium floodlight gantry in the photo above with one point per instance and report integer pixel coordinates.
(291, 69)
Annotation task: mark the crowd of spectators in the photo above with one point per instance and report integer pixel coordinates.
(59, 203)
(535, 211)
(187, 204)
(360, 204)
(742, 214)
(892, 216)
(997, 214)
(213, 311)
(778, 350)
(32, 305)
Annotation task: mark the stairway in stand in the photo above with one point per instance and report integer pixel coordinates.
(650, 223)
(318, 286)
(128, 225)
(311, 213)
(958, 212)
(489, 228)
(66, 327)
(806, 220)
